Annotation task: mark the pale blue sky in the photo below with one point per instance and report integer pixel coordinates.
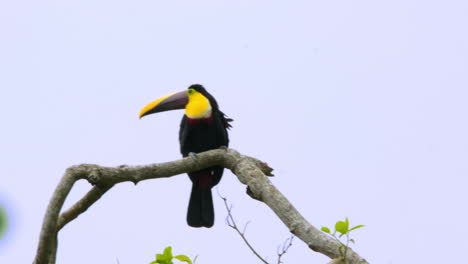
(360, 106)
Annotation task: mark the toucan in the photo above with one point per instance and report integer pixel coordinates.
(203, 127)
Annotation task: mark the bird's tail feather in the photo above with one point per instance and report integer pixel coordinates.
(200, 210)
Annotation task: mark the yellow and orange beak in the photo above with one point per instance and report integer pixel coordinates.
(170, 102)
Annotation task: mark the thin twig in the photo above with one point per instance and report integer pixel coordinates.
(286, 245)
(232, 223)
(245, 227)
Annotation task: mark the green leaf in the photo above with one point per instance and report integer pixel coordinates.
(168, 252)
(325, 229)
(163, 259)
(352, 240)
(159, 260)
(342, 227)
(159, 257)
(183, 258)
(356, 227)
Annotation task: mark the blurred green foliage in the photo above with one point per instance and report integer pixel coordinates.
(3, 221)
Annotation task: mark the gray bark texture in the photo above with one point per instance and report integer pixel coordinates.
(249, 171)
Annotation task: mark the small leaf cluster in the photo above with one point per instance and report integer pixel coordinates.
(166, 257)
(342, 227)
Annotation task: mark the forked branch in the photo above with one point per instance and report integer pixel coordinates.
(249, 171)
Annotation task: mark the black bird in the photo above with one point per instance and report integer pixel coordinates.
(203, 127)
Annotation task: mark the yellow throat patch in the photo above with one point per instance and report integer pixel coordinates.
(198, 105)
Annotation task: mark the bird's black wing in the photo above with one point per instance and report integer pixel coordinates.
(183, 132)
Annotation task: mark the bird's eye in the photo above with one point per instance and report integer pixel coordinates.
(190, 91)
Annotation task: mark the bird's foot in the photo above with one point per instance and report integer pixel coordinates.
(194, 156)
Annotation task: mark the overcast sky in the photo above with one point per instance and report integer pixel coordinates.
(359, 106)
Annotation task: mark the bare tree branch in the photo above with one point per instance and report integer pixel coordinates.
(48, 239)
(82, 205)
(263, 190)
(249, 171)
